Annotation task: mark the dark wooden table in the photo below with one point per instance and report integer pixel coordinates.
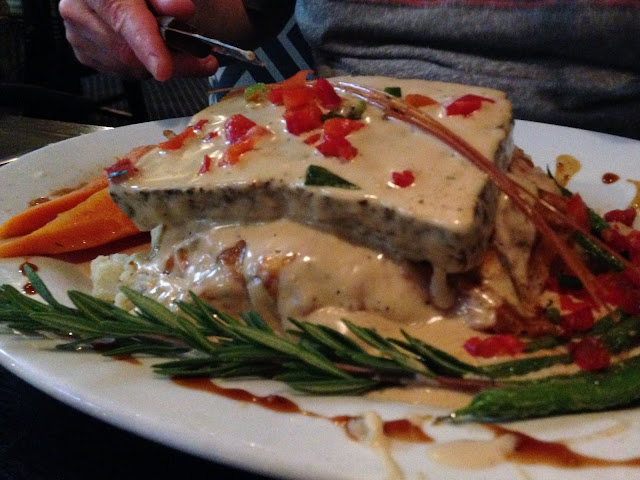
(44, 439)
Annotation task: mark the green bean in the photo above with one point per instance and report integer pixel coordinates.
(599, 256)
(524, 366)
(618, 386)
(623, 335)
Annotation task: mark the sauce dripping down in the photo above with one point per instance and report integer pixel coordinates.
(566, 167)
(27, 264)
(128, 359)
(28, 288)
(635, 203)
(610, 178)
(400, 429)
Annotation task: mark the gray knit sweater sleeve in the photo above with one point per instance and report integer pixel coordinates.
(565, 62)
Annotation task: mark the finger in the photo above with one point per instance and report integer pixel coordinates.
(186, 65)
(138, 26)
(95, 44)
(182, 9)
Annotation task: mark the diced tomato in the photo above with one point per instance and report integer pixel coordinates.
(620, 291)
(121, 170)
(303, 119)
(577, 210)
(200, 125)
(340, 127)
(626, 216)
(633, 240)
(578, 321)
(298, 79)
(467, 104)
(493, 346)
(313, 138)
(177, 141)
(334, 142)
(236, 127)
(615, 240)
(590, 354)
(296, 97)
(417, 100)
(206, 165)
(210, 136)
(275, 94)
(403, 179)
(326, 94)
(572, 303)
(245, 144)
(613, 285)
(337, 147)
(232, 154)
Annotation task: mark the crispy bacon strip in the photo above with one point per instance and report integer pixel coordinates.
(397, 108)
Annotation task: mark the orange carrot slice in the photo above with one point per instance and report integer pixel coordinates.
(39, 215)
(95, 221)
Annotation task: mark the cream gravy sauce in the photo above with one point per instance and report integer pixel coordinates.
(449, 185)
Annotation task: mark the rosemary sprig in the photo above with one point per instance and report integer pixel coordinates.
(202, 341)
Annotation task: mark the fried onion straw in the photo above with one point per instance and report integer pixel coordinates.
(397, 108)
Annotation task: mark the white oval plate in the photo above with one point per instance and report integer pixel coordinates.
(288, 445)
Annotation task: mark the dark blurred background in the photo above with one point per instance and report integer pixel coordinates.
(40, 77)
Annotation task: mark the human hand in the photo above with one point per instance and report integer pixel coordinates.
(122, 36)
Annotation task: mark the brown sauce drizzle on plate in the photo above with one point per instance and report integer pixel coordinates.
(401, 429)
(533, 451)
(610, 178)
(527, 450)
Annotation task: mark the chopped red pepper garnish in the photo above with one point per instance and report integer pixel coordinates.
(275, 94)
(210, 136)
(313, 138)
(121, 170)
(334, 141)
(199, 125)
(578, 321)
(633, 239)
(236, 128)
(304, 119)
(340, 127)
(577, 210)
(417, 100)
(620, 292)
(232, 154)
(296, 97)
(403, 179)
(177, 141)
(493, 346)
(244, 144)
(590, 354)
(206, 165)
(467, 104)
(616, 240)
(627, 216)
(326, 94)
(337, 147)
